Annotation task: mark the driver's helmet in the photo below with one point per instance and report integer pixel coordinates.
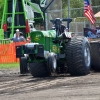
(57, 22)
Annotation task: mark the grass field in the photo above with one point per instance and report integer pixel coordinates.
(9, 65)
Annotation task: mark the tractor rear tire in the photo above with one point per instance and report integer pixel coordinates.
(39, 69)
(78, 56)
(23, 65)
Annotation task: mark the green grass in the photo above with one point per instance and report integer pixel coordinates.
(9, 65)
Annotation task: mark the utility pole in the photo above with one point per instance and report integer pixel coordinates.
(46, 17)
(91, 6)
(90, 2)
(68, 8)
(44, 11)
(68, 13)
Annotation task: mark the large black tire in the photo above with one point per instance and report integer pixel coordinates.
(23, 65)
(39, 69)
(95, 53)
(78, 56)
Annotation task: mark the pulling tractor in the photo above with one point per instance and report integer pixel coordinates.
(54, 52)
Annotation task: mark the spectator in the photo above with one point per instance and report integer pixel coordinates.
(16, 37)
(17, 32)
(5, 30)
(91, 35)
(9, 20)
(72, 34)
(42, 27)
(21, 38)
(98, 31)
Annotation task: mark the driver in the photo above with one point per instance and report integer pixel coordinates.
(61, 29)
(59, 26)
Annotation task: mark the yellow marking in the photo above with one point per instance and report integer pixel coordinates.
(54, 48)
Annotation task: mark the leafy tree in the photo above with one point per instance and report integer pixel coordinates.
(79, 4)
(73, 4)
(95, 2)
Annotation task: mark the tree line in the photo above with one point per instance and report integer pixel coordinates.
(76, 8)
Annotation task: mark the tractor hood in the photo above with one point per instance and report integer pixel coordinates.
(37, 36)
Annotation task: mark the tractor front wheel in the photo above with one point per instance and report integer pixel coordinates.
(23, 65)
(52, 63)
(39, 69)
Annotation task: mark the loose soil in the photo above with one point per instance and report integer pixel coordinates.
(14, 86)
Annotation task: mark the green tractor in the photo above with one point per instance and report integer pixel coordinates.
(53, 52)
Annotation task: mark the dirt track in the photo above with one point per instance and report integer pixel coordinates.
(63, 87)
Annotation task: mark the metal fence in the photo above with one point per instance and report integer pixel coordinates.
(79, 12)
(77, 27)
(55, 10)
